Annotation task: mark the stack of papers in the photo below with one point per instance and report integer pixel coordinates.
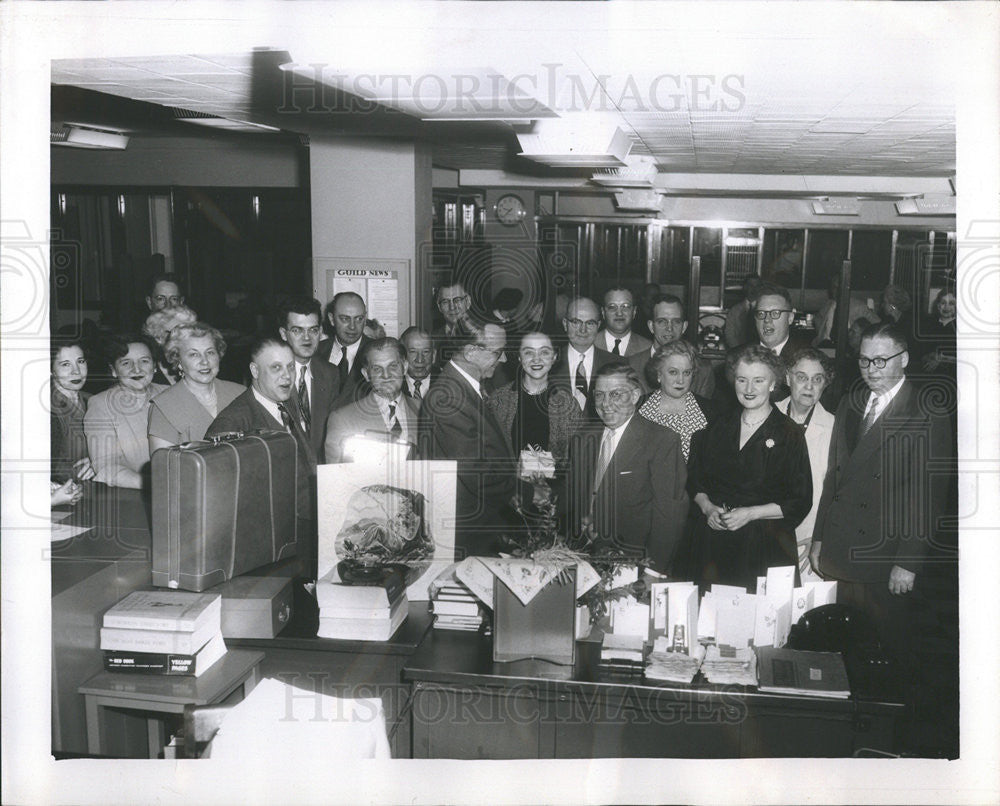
(730, 666)
(674, 667)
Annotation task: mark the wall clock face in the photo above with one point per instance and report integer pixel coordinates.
(510, 210)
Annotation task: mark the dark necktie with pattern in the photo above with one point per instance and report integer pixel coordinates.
(617, 348)
(342, 367)
(416, 389)
(581, 379)
(303, 392)
(870, 417)
(396, 429)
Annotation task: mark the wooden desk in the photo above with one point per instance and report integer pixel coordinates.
(228, 680)
(465, 706)
(347, 668)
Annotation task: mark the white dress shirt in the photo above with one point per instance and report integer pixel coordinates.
(881, 402)
(573, 361)
(270, 405)
(383, 407)
(609, 339)
(352, 353)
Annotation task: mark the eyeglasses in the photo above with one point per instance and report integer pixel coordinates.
(584, 324)
(545, 353)
(878, 361)
(625, 307)
(160, 299)
(452, 302)
(616, 396)
(299, 332)
(775, 314)
(801, 377)
(664, 322)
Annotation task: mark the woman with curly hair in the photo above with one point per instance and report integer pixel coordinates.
(157, 328)
(184, 412)
(751, 481)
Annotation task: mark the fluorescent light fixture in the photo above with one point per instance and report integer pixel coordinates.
(641, 201)
(928, 205)
(78, 135)
(576, 141)
(639, 171)
(836, 207)
(230, 125)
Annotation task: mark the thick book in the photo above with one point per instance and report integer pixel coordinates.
(166, 663)
(165, 610)
(350, 629)
(332, 594)
(445, 607)
(796, 671)
(170, 641)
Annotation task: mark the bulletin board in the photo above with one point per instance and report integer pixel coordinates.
(384, 285)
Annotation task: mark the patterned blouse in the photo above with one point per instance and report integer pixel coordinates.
(685, 424)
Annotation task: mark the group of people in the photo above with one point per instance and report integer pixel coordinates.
(710, 476)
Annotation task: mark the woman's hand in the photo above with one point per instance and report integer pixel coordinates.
(83, 470)
(68, 493)
(738, 518)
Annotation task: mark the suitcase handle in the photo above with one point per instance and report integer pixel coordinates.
(225, 436)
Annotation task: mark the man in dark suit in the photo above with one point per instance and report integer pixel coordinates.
(626, 481)
(385, 413)
(773, 314)
(346, 314)
(884, 494)
(580, 359)
(317, 384)
(667, 323)
(617, 337)
(453, 302)
(455, 423)
(270, 404)
(420, 358)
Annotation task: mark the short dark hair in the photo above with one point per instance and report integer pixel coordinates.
(450, 283)
(617, 288)
(166, 277)
(412, 330)
(387, 343)
(116, 346)
(57, 344)
(812, 354)
(620, 369)
(887, 330)
(671, 299)
(302, 305)
(263, 343)
(773, 290)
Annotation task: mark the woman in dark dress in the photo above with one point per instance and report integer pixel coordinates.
(70, 460)
(751, 481)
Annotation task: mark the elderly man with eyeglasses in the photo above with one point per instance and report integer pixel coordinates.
(888, 495)
(626, 485)
(580, 360)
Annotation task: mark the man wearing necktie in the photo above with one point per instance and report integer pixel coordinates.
(420, 357)
(346, 314)
(885, 495)
(383, 414)
(270, 404)
(317, 383)
(617, 338)
(626, 485)
(574, 370)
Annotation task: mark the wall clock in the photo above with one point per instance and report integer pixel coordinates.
(510, 210)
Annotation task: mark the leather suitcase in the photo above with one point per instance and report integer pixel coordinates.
(222, 507)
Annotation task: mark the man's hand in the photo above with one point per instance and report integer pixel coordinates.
(900, 580)
(814, 550)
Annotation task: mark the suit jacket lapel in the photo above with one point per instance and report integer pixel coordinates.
(888, 421)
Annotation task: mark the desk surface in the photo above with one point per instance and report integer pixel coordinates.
(466, 660)
(235, 665)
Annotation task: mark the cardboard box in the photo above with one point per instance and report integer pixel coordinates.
(255, 607)
(544, 629)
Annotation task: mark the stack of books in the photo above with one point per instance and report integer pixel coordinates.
(727, 666)
(361, 612)
(672, 666)
(456, 608)
(623, 654)
(163, 632)
(791, 671)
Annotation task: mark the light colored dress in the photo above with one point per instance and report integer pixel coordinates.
(176, 416)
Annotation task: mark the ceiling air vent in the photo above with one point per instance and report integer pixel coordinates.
(638, 172)
(80, 135)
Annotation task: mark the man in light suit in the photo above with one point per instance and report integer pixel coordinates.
(316, 382)
(346, 314)
(385, 413)
(617, 337)
(877, 524)
(580, 359)
(269, 404)
(627, 480)
(667, 323)
(455, 423)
